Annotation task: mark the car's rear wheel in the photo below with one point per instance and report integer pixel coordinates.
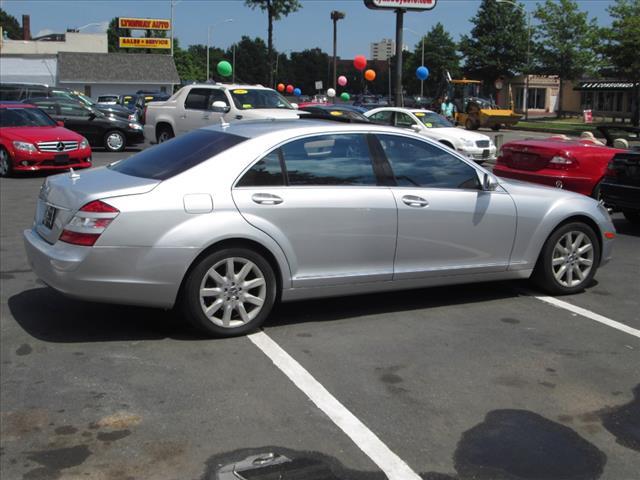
(115, 141)
(469, 124)
(569, 259)
(165, 133)
(229, 292)
(6, 168)
(632, 215)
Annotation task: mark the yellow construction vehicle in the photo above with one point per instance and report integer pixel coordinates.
(473, 111)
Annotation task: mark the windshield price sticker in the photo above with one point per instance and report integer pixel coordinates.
(240, 92)
(336, 113)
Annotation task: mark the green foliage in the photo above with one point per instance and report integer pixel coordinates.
(10, 25)
(622, 39)
(498, 42)
(306, 68)
(440, 55)
(251, 61)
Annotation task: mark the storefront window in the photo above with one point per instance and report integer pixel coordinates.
(586, 100)
(537, 98)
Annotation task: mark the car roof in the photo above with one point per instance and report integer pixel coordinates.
(229, 86)
(258, 128)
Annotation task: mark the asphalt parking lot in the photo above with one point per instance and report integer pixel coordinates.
(483, 381)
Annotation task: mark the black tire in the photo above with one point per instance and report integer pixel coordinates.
(544, 276)
(164, 133)
(193, 305)
(115, 141)
(6, 165)
(496, 128)
(632, 215)
(596, 191)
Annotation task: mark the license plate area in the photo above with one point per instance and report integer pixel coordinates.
(485, 153)
(49, 217)
(61, 159)
(525, 161)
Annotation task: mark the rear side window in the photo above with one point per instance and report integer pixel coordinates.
(177, 155)
(383, 118)
(338, 159)
(197, 99)
(9, 92)
(420, 164)
(265, 173)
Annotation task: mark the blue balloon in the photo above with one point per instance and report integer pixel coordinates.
(422, 73)
(297, 92)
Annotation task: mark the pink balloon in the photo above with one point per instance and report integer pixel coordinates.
(342, 80)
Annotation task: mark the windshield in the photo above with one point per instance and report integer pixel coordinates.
(433, 120)
(246, 99)
(24, 117)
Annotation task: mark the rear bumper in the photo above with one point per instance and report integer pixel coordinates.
(129, 275)
(556, 179)
(626, 197)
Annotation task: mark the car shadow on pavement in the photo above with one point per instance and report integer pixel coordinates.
(338, 308)
(625, 227)
(51, 317)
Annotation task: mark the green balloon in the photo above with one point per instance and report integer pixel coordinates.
(224, 68)
(345, 96)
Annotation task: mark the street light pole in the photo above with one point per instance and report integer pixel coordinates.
(335, 16)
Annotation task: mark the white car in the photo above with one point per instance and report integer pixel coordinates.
(473, 145)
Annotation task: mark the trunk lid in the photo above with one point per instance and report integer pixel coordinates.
(61, 196)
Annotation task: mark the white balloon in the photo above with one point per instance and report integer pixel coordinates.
(331, 93)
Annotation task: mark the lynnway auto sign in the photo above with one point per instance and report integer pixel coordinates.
(401, 4)
(132, 42)
(144, 23)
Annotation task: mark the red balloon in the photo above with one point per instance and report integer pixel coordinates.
(289, 88)
(360, 62)
(281, 87)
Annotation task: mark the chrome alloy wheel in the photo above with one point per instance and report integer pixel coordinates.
(4, 162)
(232, 292)
(115, 141)
(572, 258)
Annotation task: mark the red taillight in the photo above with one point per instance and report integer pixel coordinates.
(144, 115)
(89, 223)
(99, 206)
(562, 162)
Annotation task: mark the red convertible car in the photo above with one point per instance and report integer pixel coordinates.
(577, 164)
(30, 140)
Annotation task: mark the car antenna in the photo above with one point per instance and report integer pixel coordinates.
(223, 124)
(73, 174)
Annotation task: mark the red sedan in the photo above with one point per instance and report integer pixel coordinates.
(573, 164)
(30, 140)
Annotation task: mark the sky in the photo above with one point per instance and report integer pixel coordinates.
(309, 27)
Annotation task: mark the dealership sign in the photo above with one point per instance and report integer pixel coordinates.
(133, 42)
(144, 23)
(401, 4)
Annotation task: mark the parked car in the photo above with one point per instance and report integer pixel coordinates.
(370, 101)
(570, 163)
(26, 91)
(30, 140)
(226, 219)
(112, 133)
(333, 111)
(476, 146)
(137, 102)
(195, 106)
(620, 187)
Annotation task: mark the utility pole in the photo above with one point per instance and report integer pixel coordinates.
(335, 16)
(399, 21)
(421, 81)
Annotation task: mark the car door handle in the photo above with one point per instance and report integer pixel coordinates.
(413, 201)
(266, 199)
(205, 117)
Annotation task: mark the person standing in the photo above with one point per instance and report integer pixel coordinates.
(447, 109)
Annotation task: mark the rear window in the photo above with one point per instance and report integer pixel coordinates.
(177, 155)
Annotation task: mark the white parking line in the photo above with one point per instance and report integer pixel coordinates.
(588, 314)
(392, 465)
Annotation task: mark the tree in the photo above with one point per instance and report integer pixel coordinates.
(498, 42)
(621, 44)
(113, 35)
(440, 56)
(251, 61)
(566, 41)
(276, 9)
(10, 25)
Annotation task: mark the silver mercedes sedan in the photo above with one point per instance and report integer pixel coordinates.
(226, 220)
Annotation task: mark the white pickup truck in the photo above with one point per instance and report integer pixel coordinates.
(195, 106)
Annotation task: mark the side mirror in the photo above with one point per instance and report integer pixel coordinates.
(220, 107)
(489, 182)
(92, 115)
(416, 128)
(60, 123)
(294, 105)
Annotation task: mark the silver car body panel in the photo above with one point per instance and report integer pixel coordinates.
(324, 241)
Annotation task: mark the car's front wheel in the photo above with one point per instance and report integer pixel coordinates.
(115, 141)
(569, 259)
(6, 167)
(229, 292)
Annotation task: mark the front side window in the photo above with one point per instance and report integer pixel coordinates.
(403, 120)
(265, 173)
(68, 109)
(338, 159)
(218, 96)
(419, 164)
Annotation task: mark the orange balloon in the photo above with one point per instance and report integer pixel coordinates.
(370, 75)
(281, 87)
